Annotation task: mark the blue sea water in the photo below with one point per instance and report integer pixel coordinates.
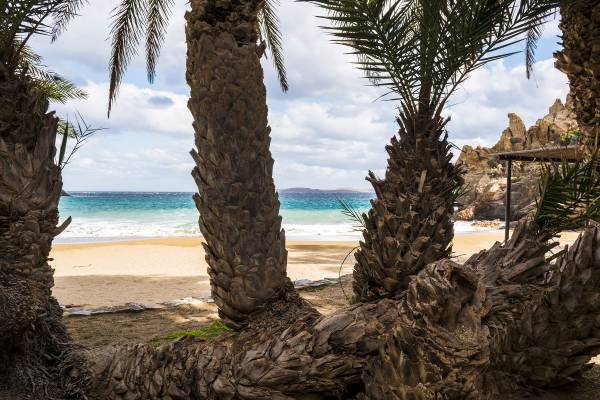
(99, 216)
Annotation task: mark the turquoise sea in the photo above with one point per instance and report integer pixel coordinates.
(103, 216)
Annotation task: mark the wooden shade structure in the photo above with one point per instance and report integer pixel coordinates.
(569, 153)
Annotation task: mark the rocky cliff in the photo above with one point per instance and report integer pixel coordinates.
(485, 177)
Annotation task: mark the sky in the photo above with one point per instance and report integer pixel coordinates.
(328, 130)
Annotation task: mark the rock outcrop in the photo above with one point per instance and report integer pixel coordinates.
(485, 177)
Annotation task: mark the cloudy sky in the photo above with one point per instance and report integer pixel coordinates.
(328, 130)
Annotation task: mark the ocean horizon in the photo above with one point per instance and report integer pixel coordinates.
(308, 214)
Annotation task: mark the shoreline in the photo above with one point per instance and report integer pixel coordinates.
(166, 269)
(90, 240)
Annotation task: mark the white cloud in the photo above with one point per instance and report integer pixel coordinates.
(328, 130)
(136, 110)
(482, 105)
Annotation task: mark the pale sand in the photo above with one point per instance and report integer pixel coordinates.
(94, 275)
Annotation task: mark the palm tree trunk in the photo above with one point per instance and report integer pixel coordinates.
(458, 332)
(409, 224)
(35, 350)
(499, 325)
(237, 201)
(580, 60)
(553, 341)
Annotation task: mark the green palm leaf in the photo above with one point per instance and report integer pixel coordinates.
(55, 87)
(68, 9)
(421, 51)
(21, 20)
(58, 89)
(135, 19)
(127, 29)
(79, 131)
(269, 30)
(569, 196)
(157, 21)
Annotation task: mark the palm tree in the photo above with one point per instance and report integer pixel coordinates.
(579, 60)
(237, 201)
(35, 350)
(420, 52)
(451, 335)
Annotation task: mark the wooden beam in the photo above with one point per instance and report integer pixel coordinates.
(507, 200)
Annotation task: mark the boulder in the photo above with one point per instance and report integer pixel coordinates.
(514, 137)
(485, 176)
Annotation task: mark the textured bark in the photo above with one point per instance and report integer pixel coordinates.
(297, 355)
(557, 333)
(580, 60)
(35, 351)
(439, 347)
(514, 328)
(239, 208)
(493, 326)
(409, 224)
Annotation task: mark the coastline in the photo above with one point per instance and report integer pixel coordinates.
(153, 271)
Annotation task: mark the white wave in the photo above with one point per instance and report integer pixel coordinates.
(471, 227)
(96, 229)
(118, 229)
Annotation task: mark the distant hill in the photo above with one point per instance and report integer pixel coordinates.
(310, 190)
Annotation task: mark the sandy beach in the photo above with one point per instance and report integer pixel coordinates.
(152, 271)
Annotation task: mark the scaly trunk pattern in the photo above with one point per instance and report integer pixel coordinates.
(557, 334)
(409, 224)
(580, 60)
(35, 351)
(457, 332)
(237, 201)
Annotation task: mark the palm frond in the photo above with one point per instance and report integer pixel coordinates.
(79, 131)
(159, 12)
(126, 30)
(569, 196)
(423, 50)
(52, 85)
(58, 89)
(134, 18)
(269, 30)
(55, 87)
(64, 130)
(533, 36)
(353, 214)
(65, 13)
(21, 20)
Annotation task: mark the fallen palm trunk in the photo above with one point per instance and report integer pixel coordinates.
(467, 331)
(557, 334)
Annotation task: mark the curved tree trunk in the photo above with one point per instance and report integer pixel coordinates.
(580, 59)
(458, 332)
(557, 334)
(409, 224)
(239, 208)
(35, 350)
